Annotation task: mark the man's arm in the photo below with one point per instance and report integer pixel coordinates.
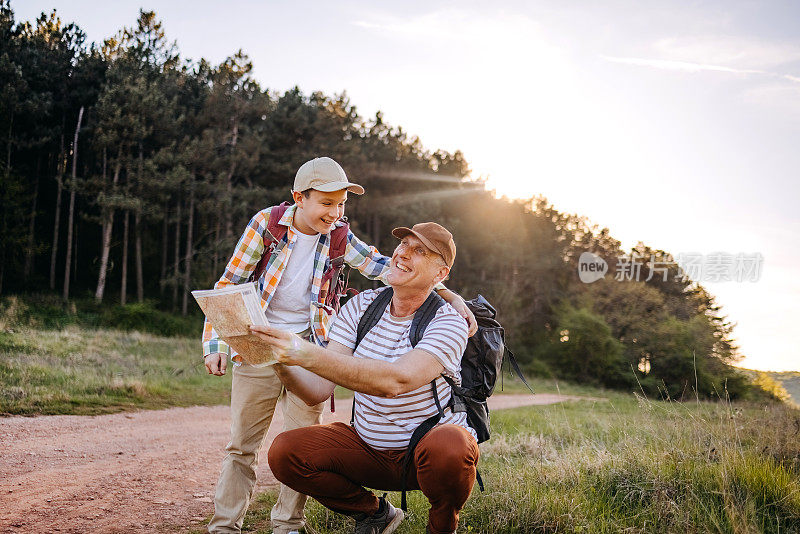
(374, 265)
(373, 377)
(311, 388)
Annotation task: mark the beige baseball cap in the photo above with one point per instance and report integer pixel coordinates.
(324, 174)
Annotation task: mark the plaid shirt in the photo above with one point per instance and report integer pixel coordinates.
(359, 255)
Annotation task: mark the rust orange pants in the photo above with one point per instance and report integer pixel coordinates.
(332, 464)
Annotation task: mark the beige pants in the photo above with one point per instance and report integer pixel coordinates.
(254, 394)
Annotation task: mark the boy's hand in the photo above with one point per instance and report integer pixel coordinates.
(216, 363)
(457, 302)
(288, 348)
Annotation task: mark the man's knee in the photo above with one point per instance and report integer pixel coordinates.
(447, 449)
(280, 455)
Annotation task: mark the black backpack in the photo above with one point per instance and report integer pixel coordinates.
(481, 365)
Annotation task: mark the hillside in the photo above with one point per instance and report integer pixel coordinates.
(791, 382)
(788, 380)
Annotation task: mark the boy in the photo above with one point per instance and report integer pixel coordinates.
(292, 297)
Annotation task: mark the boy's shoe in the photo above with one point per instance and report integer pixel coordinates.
(384, 521)
(304, 530)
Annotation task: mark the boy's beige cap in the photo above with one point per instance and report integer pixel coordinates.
(324, 174)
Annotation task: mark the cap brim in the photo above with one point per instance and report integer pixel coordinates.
(338, 186)
(403, 231)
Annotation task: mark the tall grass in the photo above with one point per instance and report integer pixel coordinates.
(626, 465)
(90, 371)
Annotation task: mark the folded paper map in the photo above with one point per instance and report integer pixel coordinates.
(231, 310)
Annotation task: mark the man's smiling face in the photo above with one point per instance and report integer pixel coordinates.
(415, 266)
(317, 213)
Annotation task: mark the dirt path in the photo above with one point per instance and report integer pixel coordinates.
(146, 471)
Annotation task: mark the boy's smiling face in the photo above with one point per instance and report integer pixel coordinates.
(317, 213)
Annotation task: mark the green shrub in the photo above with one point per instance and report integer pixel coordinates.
(48, 311)
(144, 317)
(584, 350)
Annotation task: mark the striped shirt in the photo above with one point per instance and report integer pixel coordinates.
(387, 424)
(358, 255)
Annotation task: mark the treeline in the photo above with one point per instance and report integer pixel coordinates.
(129, 172)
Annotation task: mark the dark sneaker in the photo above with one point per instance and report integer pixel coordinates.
(384, 521)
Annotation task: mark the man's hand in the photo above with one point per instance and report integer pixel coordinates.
(217, 363)
(457, 302)
(289, 349)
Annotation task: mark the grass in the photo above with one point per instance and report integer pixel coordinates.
(83, 371)
(626, 465)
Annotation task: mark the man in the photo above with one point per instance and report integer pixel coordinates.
(293, 299)
(333, 463)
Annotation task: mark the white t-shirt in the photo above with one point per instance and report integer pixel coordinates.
(290, 307)
(387, 424)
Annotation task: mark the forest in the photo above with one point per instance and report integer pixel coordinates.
(127, 173)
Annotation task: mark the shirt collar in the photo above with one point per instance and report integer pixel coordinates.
(288, 216)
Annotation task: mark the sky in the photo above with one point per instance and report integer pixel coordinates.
(675, 124)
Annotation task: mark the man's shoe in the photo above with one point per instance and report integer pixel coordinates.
(384, 521)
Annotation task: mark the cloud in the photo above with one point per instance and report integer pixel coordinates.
(738, 52)
(728, 54)
(367, 25)
(458, 25)
(685, 66)
(449, 23)
(668, 64)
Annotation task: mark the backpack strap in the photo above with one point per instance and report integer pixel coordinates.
(373, 314)
(333, 284)
(479, 478)
(338, 243)
(274, 227)
(273, 233)
(426, 426)
(419, 433)
(422, 319)
(424, 316)
(513, 363)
